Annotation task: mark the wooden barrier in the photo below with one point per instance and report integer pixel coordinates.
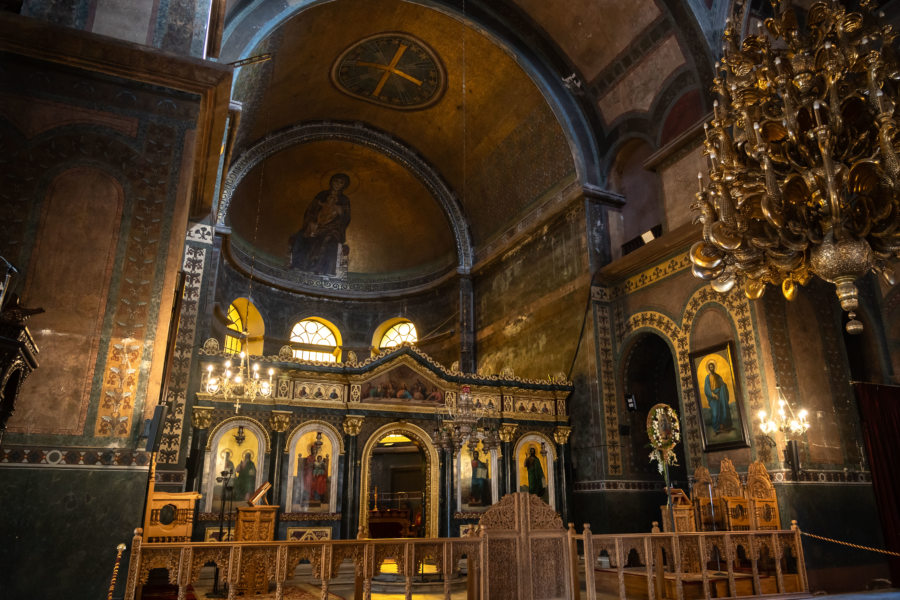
(520, 552)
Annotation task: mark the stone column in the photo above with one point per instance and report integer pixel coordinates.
(445, 508)
(507, 484)
(350, 496)
(561, 437)
(466, 325)
(201, 417)
(279, 421)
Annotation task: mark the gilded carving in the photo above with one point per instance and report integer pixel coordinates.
(211, 346)
(279, 420)
(201, 417)
(507, 431)
(353, 425)
(286, 353)
(561, 434)
(355, 392)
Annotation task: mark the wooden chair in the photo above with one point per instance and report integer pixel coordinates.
(763, 500)
(731, 492)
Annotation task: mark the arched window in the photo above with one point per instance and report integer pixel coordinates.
(233, 342)
(244, 317)
(394, 332)
(316, 339)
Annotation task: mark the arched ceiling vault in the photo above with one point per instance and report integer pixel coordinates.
(500, 108)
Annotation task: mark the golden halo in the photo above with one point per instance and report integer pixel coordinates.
(325, 180)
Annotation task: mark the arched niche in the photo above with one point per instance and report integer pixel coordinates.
(468, 498)
(432, 472)
(308, 447)
(545, 452)
(223, 447)
(648, 373)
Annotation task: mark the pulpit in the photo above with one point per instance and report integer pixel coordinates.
(255, 524)
(170, 515)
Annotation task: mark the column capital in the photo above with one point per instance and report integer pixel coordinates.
(561, 434)
(201, 417)
(507, 431)
(279, 420)
(353, 424)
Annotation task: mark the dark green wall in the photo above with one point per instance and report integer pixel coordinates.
(59, 529)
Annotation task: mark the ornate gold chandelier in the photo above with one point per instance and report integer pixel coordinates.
(804, 176)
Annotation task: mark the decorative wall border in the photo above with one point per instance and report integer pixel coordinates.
(618, 485)
(72, 457)
(608, 390)
(193, 265)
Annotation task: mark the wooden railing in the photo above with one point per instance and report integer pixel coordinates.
(653, 566)
(688, 565)
(246, 565)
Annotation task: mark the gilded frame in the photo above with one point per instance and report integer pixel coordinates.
(717, 387)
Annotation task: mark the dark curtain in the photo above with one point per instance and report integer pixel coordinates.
(879, 407)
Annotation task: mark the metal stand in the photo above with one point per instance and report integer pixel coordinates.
(225, 479)
(669, 494)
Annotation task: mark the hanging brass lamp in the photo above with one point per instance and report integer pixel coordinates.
(804, 176)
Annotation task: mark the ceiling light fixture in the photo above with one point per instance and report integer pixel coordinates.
(803, 174)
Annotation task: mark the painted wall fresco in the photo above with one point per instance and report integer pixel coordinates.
(401, 385)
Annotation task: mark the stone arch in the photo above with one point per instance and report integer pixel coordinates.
(645, 351)
(432, 472)
(226, 423)
(209, 463)
(677, 339)
(337, 437)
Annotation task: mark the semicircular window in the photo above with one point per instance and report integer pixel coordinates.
(399, 333)
(315, 339)
(391, 69)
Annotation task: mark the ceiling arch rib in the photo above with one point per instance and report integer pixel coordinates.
(547, 67)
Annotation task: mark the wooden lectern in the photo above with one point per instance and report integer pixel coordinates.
(255, 524)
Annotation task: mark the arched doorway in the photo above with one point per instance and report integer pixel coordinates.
(401, 456)
(650, 376)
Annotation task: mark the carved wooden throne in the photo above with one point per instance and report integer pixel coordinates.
(763, 501)
(730, 490)
(527, 550)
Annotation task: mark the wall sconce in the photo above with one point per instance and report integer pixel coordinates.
(239, 436)
(790, 425)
